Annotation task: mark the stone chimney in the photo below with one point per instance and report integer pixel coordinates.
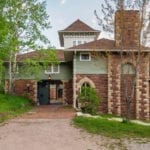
(127, 27)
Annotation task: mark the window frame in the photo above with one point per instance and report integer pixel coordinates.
(51, 70)
(81, 59)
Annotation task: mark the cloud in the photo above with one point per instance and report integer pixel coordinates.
(63, 2)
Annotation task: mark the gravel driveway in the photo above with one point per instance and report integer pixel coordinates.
(58, 134)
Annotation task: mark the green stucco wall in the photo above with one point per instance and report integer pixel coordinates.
(65, 73)
(97, 65)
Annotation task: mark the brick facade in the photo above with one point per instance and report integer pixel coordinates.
(100, 83)
(126, 82)
(142, 90)
(114, 100)
(26, 88)
(127, 27)
(140, 105)
(68, 92)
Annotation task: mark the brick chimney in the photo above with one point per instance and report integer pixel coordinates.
(127, 27)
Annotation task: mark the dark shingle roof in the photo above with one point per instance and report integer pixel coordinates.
(78, 25)
(97, 44)
(38, 55)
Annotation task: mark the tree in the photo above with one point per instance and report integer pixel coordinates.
(26, 19)
(106, 22)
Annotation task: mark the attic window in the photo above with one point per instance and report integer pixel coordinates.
(74, 43)
(52, 69)
(85, 57)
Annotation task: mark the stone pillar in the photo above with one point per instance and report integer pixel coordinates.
(35, 90)
(142, 90)
(114, 98)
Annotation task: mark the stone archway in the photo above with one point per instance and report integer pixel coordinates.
(85, 80)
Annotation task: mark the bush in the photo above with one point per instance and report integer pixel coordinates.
(89, 100)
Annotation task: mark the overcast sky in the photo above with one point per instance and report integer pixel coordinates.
(63, 12)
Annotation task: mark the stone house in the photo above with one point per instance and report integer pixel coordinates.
(87, 60)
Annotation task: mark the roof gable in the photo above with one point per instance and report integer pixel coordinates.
(79, 26)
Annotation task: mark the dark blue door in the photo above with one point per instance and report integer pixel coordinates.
(44, 92)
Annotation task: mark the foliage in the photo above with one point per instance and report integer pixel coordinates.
(33, 67)
(89, 100)
(112, 129)
(23, 22)
(11, 106)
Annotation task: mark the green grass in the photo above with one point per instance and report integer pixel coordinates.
(11, 106)
(112, 129)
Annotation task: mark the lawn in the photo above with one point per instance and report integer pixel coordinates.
(11, 106)
(112, 129)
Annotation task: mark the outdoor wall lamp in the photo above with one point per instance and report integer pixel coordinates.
(49, 77)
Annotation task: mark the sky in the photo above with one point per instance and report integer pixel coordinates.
(64, 12)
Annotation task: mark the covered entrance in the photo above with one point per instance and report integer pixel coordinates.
(50, 92)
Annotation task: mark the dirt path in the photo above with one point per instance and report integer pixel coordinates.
(32, 133)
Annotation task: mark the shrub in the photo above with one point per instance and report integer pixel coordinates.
(89, 100)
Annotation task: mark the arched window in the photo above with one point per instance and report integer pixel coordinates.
(84, 87)
(128, 68)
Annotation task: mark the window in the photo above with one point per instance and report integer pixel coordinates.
(128, 69)
(79, 42)
(84, 87)
(53, 69)
(85, 57)
(74, 43)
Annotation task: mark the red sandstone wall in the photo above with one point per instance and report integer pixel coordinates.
(68, 92)
(128, 83)
(101, 85)
(26, 88)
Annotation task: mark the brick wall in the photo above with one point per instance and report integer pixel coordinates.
(27, 88)
(127, 82)
(68, 92)
(114, 101)
(100, 82)
(142, 88)
(140, 107)
(127, 25)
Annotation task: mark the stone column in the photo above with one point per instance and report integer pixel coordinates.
(142, 90)
(114, 98)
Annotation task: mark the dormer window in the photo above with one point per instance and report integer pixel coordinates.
(85, 57)
(74, 43)
(79, 42)
(52, 69)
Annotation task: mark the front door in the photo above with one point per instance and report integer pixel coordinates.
(43, 92)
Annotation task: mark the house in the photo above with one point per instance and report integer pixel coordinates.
(89, 61)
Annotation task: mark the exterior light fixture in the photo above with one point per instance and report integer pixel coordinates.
(49, 77)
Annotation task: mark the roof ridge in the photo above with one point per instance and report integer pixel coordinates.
(77, 25)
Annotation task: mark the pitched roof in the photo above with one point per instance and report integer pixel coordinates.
(77, 26)
(40, 56)
(97, 44)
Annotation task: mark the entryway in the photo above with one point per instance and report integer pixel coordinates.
(50, 92)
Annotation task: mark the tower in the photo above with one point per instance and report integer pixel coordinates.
(77, 33)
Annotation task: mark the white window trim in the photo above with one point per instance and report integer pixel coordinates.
(52, 70)
(84, 59)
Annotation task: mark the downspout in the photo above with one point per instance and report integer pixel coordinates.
(74, 80)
